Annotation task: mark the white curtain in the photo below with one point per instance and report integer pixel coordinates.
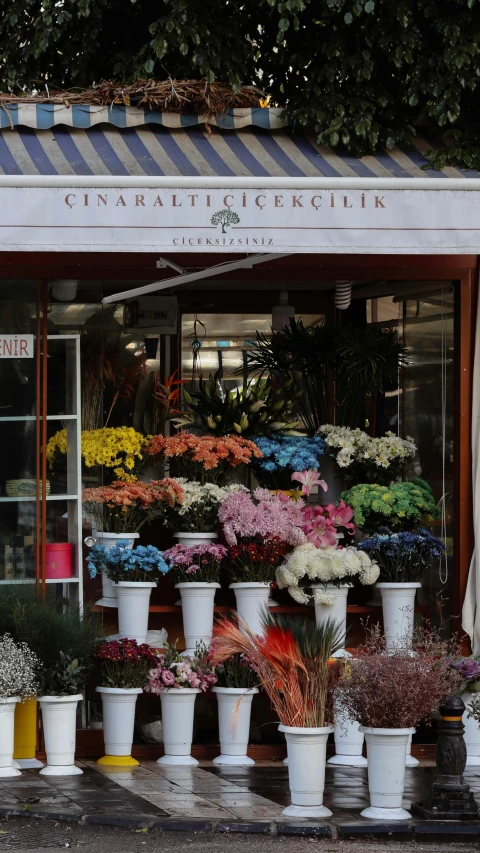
(471, 604)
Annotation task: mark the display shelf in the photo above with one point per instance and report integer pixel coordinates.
(31, 418)
(31, 498)
(32, 580)
(359, 609)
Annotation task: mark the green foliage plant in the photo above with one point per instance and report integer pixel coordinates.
(399, 505)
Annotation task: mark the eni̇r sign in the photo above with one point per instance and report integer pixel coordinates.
(16, 346)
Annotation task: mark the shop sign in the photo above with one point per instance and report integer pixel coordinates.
(16, 346)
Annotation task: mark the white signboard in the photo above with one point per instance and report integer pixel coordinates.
(80, 219)
(16, 346)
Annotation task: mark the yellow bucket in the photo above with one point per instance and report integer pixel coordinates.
(25, 742)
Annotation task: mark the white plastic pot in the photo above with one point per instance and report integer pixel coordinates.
(410, 761)
(109, 593)
(178, 708)
(59, 715)
(118, 706)
(398, 605)
(348, 741)
(307, 751)
(387, 752)
(7, 728)
(337, 611)
(471, 733)
(189, 539)
(197, 611)
(251, 599)
(133, 605)
(234, 710)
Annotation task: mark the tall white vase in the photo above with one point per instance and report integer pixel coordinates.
(7, 728)
(307, 752)
(251, 599)
(348, 741)
(118, 706)
(109, 540)
(410, 761)
(387, 752)
(234, 711)
(471, 733)
(337, 611)
(189, 539)
(197, 610)
(59, 715)
(133, 608)
(178, 708)
(398, 605)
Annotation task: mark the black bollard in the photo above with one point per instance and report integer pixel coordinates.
(451, 797)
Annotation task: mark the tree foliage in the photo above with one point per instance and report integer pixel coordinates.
(360, 73)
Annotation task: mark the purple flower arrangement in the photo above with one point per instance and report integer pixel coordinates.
(264, 516)
(195, 564)
(178, 672)
(469, 671)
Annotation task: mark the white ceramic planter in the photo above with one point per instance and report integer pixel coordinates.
(234, 710)
(109, 593)
(7, 728)
(398, 605)
(386, 751)
(251, 599)
(59, 730)
(348, 741)
(471, 733)
(197, 611)
(307, 751)
(410, 761)
(189, 539)
(178, 707)
(133, 604)
(337, 611)
(118, 706)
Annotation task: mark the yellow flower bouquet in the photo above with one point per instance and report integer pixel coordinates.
(117, 448)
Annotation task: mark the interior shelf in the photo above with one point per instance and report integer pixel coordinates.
(360, 609)
(32, 580)
(32, 498)
(30, 418)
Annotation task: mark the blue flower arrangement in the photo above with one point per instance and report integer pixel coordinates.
(402, 557)
(284, 454)
(124, 563)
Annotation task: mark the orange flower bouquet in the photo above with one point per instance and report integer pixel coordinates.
(204, 458)
(122, 507)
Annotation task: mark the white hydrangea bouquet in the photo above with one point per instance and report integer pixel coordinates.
(364, 459)
(19, 668)
(198, 512)
(308, 565)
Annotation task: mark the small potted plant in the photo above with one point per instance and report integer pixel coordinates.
(468, 669)
(178, 680)
(134, 573)
(195, 521)
(204, 458)
(293, 662)
(237, 683)
(119, 511)
(19, 668)
(390, 691)
(61, 689)
(196, 572)
(122, 669)
(403, 559)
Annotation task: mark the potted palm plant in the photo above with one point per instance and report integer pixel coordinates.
(122, 670)
(19, 668)
(237, 684)
(294, 665)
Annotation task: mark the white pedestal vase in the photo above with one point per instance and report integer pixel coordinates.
(234, 710)
(189, 539)
(336, 611)
(59, 715)
(471, 734)
(307, 752)
(251, 599)
(410, 761)
(197, 611)
(386, 752)
(348, 741)
(109, 593)
(7, 728)
(178, 708)
(118, 706)
(398, 605)
(133, 605)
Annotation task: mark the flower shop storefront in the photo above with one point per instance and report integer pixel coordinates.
(186, 436)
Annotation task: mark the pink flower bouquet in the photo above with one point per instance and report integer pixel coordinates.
(321, 524)
(263, 516)
(197, 564)
(177, 672)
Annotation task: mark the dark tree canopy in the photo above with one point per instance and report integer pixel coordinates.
(360, 73)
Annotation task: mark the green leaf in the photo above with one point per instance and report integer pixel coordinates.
(348, 18)
(183, 48)
(369, 7)
(283, 24)
(149, 66)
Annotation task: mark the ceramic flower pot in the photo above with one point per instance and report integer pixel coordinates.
(398, 605)
(178, 708)
(7, 723)
(410, 761)
(197, 611)
(307, 752)
(386, 755)
(189, 539)
(348, 741)
(133, 608)
(234, 711)
(471, 734)
(118, 706)
(109, 593)
(251, 599)
(337, 611)
(59, 715)
(25, 741)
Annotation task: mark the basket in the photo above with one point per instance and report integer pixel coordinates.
(24, 488)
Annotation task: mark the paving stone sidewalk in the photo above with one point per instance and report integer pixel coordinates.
(207, 798)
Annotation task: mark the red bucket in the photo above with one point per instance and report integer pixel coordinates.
(59, 560)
